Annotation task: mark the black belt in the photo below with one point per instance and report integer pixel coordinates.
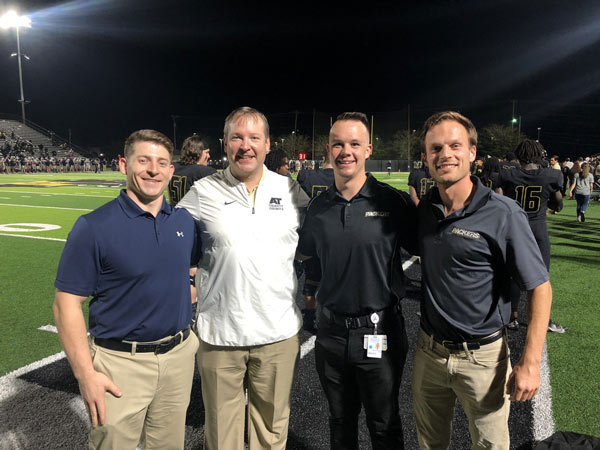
(162, 347)
(357, 321)
(471, 345)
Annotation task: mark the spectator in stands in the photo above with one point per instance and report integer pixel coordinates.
(191, 167)
(583, 186)
(278, 162)
(470, 241)
(140, 313)
(248, 321)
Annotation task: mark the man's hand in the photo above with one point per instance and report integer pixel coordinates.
(523, 382)
(92, 388)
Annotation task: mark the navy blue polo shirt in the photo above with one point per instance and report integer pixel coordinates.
(468, 259)
(135, 267)
(358, 243)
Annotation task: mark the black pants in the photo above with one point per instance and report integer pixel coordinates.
(350, 379)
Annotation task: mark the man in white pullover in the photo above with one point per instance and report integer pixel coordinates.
(248, 321)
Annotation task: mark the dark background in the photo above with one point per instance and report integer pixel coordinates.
(105, 68)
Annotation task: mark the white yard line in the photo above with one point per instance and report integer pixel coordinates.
(57, 193)
(45, 207)
(33, 237)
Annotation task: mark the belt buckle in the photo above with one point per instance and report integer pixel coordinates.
(164, 347)
(349, 321)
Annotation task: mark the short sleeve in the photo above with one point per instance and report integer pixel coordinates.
(523, 257)
(80, 261)
(190, 202)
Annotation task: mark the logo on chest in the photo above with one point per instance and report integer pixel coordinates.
(377, 214)
(465, 233)
(275, 204)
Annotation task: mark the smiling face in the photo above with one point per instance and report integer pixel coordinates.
(148, 169)
(246, 146)
(448, 152)
(348, 149)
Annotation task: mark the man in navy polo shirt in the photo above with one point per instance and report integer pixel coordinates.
(472, 241)
(133, 257)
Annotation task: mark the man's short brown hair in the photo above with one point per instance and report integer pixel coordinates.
(357, 116)
(443, 116)
(241, 112)
(147, 136)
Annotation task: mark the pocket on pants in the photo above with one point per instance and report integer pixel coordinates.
(493, 355)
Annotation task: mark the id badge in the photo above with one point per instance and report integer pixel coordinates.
(374, 346)
(383, 344)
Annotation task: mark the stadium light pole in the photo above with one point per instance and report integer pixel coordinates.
(10, 19)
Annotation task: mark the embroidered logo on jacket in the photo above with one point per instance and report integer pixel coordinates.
(179, 233)
(377, 214)
(275, 204)
(465, 233)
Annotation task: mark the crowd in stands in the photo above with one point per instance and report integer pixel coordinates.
(18, 155)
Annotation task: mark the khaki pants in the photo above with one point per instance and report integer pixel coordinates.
(156, 393)
(269, 372)
(476, 378)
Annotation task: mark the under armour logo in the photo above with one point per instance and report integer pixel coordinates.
(179, 233)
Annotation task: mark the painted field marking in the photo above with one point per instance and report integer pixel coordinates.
(33, 237)
(541, 404)
(45, 207)
(56, 193)
(50, 328)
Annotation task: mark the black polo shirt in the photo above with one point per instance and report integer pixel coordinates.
(468, 259)
(358, 243)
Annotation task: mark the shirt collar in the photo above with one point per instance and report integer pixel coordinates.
(367, 190)
(480, 198)
(132, 209)
(234, 181)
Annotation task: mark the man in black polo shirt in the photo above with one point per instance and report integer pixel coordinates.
(356, 229)
(472, 241)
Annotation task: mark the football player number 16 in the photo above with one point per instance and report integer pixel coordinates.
(529, 198)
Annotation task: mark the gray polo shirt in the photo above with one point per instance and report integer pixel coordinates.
(468, 259)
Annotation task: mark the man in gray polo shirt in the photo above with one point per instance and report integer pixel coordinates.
(472, 241)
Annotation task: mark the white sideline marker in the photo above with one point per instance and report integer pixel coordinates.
(541, 404)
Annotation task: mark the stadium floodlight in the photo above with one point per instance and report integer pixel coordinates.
(11, 19)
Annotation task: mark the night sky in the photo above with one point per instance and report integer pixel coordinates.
(105, 68)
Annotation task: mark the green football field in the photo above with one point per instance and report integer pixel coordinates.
(37, 212)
